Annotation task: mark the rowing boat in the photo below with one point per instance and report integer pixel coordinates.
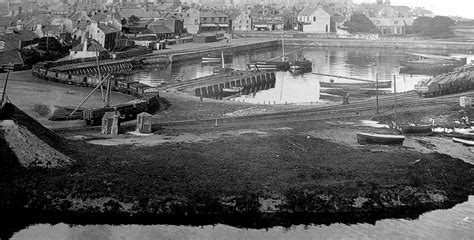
(379, 139)
(463, 141)
(419, 129)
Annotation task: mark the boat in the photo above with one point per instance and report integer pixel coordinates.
(379, 139)
(418, 129)
(223, 68)
(301, 66)
(272, 65)
(431, 65)
(381, 84)
(463, 141)
(214, 58)
(269, 66)
(465, 136)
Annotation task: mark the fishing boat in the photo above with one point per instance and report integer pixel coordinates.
(418, 129)
(381, 84)
(281, 64)
(379, 139)
(223, 68)
(463, 141)
(301, 66)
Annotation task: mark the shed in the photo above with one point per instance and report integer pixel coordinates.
(144, 122)
(110, 123)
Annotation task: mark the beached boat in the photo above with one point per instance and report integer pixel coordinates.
(300, 66)
(381, 84)
(463, 141)
(419, 129)
(379, 139)
(465, 136)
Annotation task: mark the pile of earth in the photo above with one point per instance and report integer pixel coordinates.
(25, 141)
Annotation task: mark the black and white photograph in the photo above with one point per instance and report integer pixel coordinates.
(236, 119)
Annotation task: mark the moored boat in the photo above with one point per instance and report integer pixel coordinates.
(463, 141)
(269, 65)
(432, 65)
(465, 136)
(379, 139)
(299, 66)
(419, 129)
(381, 84)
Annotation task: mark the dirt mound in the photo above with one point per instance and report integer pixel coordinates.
(28, 140)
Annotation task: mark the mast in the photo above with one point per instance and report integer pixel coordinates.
(222, 59)
(283, 47)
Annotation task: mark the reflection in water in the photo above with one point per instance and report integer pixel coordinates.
(302, 88)
(455, 223)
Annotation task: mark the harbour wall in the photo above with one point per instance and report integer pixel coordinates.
(395, 44)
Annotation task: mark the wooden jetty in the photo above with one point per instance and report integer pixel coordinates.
(217, 86)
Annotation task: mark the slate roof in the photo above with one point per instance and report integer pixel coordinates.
(308, 11)
(160, 29)
(26, 35)
(138, 12)
(107, 29)
(55, 29)
(5, 21)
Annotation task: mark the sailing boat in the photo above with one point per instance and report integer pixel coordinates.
(271, 65)
(301, 65)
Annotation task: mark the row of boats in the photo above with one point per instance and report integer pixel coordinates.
(393, 139)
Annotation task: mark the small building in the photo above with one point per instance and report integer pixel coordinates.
(144, 122)
(392, 26)
(105, 34)
(191, 20)
(314, 20)
(267, 18)
(11, 57)
(111, 123)
(212, 21)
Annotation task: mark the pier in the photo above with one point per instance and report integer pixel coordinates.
(215, 86)
(90, 68)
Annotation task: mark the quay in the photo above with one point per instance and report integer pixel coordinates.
(90, 68)
(215, 86)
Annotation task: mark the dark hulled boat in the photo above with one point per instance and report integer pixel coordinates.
(301, 66)
(379, 139)
(419, 129)
(382, 84)
(269, 66)
(463, 141)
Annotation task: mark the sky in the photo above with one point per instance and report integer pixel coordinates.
(461, 8)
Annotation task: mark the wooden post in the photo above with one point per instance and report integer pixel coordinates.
(395, 94)
(8, 68)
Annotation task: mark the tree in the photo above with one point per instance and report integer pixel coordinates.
(359, 23)
(437, 27)
(133, 20)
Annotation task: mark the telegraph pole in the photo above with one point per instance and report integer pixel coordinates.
(8, 68)
(395, 93)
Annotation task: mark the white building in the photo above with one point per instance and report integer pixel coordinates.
(315, 20)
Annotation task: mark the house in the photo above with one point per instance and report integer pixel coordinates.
(88, 48)
(241, 21)
(212, 20)
(171, 22)
(314, 20)
(141, 13)
(267, 18)
(105, 34)
(80, 20)
(111, 19)
(18, 39)
(392, 26)
(6, 25)
(191, 20)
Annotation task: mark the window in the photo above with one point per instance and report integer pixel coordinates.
(196, 21)
(395, 22)
(187, 15)
(314, 19)
(205, 19)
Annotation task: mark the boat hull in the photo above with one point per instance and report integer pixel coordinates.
(271, 65)
(379, 139)
(423, 129)
(463, 141)
(383, 84)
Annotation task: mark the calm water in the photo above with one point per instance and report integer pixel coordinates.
(301, 88)
(454, 223)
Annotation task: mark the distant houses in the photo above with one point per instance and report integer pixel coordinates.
(314, 20)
